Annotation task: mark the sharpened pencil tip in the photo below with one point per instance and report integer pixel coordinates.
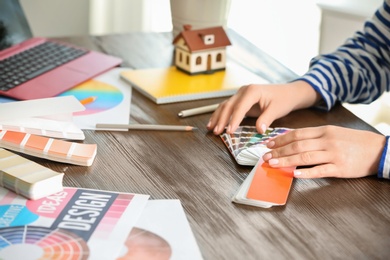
(191, 128)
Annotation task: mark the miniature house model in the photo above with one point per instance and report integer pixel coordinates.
(202, 50)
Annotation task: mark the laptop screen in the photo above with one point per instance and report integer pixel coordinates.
(14, 27)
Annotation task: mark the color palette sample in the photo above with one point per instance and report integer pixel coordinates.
(44, 127)
(270, 185)
(247, 145)
(103, 96)
(26, 177)
(29, 242)
(265, 186)
(49, 148)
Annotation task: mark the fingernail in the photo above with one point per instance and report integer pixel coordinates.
(208, 124)
(228, 129)
(263, 128)
(273, 162)
(267, 156)
(216, 129)
(297, 173)
(270, 144)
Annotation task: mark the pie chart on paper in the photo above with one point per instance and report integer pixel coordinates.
(30, 243)
(100, 96)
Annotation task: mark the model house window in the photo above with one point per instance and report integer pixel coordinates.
(188, 60)
(219, 57)
(198, 60)
(180, 57)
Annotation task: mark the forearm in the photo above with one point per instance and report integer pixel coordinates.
(303, 94)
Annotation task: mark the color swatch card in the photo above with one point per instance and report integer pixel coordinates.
(26, 177)
(265, 186)
(49, 148)
(75, 223)
(247, 145)
(45, 127)
(51, 117)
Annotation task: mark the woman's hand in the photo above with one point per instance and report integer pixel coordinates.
(267, 102)
(327, 151)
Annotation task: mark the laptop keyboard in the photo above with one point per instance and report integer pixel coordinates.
(35, 61)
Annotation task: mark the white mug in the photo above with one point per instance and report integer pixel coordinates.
(199, 14)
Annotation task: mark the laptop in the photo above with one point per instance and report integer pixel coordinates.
(60, 72)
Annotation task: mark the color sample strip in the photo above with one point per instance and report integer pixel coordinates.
(26, 177)
(49, 148)
(44, 127)
(112, 216)
(270, 185)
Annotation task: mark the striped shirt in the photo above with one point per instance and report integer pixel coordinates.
(358, 71)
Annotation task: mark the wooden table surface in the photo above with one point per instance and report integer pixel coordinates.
(323, 218)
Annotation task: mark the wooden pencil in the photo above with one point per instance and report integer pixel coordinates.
(145, 127)
(198, 110)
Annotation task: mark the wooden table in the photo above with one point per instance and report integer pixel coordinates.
(323, 218)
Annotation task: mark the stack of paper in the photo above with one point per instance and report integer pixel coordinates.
(51, 117)
(26, 177)
(49, 148)
(247, 145)
(94, 224)
(73, 224)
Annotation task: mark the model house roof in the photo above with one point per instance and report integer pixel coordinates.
(203, 39)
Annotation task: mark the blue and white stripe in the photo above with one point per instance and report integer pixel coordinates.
(384, 167)
(358, 71)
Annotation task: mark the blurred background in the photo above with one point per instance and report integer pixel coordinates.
(292, 31)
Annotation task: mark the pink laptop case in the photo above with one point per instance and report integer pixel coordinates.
(60, 79)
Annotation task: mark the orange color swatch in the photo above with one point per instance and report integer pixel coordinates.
(270, 185)
(49, 148)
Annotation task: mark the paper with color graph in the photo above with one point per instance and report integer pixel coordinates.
(108, 100)
(75, 223)
(162, 232)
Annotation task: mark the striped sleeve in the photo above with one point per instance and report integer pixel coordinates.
(358, 71)
(384, 166)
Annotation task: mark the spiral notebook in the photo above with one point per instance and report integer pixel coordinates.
(169, 85)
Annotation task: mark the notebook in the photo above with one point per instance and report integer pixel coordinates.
(169, 85)
(247, 145)
(265, 186)
(28, 178)
(49, 81)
